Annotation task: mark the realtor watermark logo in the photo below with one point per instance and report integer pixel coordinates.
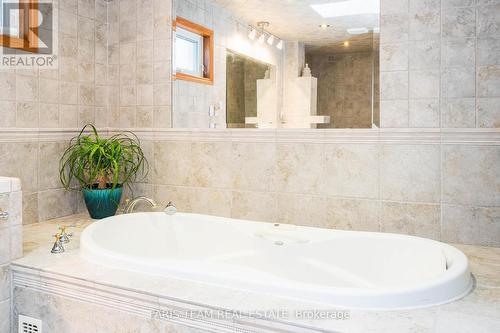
(29, 37)
(274, 314)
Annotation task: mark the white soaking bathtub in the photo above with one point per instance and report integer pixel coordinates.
(340, 268)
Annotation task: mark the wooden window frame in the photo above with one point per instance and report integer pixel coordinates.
(208, 51)
(28, 28)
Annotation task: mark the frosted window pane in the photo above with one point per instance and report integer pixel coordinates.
(188, 52)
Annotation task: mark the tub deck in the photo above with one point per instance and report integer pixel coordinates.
(69, 276)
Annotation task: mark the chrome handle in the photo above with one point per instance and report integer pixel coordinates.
(3, 215)
(170, 209)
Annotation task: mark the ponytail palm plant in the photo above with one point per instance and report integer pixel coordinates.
(100, 167)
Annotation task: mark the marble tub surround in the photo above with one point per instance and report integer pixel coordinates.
(11, 242)
(69, 290)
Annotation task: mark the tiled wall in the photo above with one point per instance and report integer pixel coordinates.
(11, 242)
(139, 63)
(70, 96)
(443, 191)
(36, 163)
(440, 63)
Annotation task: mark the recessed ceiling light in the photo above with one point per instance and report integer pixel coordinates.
(347, 8)
(346, 43)
(357, 31)
(324, 26)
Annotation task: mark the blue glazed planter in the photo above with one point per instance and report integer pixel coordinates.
(102, 203)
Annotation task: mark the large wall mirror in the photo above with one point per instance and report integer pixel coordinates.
(313, 65)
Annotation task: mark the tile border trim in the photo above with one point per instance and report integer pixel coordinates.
(145, 304)
(320, 136)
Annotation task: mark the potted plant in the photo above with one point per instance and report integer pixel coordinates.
(100, 167)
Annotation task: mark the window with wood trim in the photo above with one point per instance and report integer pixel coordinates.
(19, 24)
(193, 52)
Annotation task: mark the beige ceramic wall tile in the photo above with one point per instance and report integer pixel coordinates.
(210, 201)
(410, 173)
(488, 81)
(211, 164)
(393, 85)
(298, 209)
(4, 282)
(471, 225)
(16, 242)
(488, 20)
(254, 166)
(56, 203)
(459, 52)
(300, 167)
(411, 219)
(255, 206)
(488, 112)
(22, 163)
(352, 170)
(4, 245)
(5, 316)
(49, 115)
(424, 54)
(172, 162)
(458, 82)
(30, 208)
(48, 171)
(8, 118)
(459, 22)
(394, 57)
(27, 115)
(15, 208)
(394, 28)
(350, 214)
(394, 113)
(8, 86)
(180, 196)
(458, 112)
(424, 84)
(471, 175)
(424, 113)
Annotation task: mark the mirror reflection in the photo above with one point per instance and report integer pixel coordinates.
(249, 87)
(313, 65)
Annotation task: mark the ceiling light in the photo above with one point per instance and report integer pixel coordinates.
(324, 26)
(347, 8)
(252, 34)
(357, 31)
(270, 40)
(262, 38)
(346, 43)
(279, 46)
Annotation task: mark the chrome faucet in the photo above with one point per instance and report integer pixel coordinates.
(65, 237)
(57, 247)
(129, 208)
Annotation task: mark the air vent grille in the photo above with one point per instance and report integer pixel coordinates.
(29, 325)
